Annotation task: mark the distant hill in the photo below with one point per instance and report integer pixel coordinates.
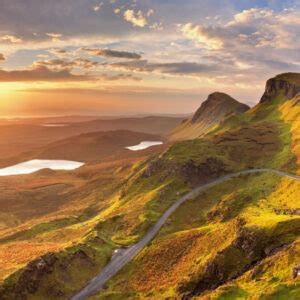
(95, 146)
(211, 112)
(20, 138)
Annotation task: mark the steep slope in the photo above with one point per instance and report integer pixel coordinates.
(235, 241)
(50, 211)
(239, 239)
(211, 112)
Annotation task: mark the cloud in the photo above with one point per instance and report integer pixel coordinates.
(54, 36)
(117, 77)
(98, 7)
(112, 53)
(254, 27)
(174, 68)
(11, 39)
(60, 70)
(150, 12)
(137, 18)
(63, 64)
(260, 40)
(251, 15)
(59, 51)
(39, 74)
(2, 58)
(203, 35)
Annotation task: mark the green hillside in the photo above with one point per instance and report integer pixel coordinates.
(239, 240)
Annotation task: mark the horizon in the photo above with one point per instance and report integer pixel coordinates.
(140, 57)
(106, 116)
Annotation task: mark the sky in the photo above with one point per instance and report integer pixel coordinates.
(111, 57)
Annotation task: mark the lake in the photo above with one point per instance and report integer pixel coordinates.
(144, 145)
(34, 165)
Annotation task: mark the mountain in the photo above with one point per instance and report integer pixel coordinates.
(239, 239)
(211, 112)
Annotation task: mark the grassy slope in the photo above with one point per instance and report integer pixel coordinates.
(205, 241)
(63, 219)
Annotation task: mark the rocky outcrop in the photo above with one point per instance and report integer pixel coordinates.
(249, 248)
(153, 167)
(28, 281)
(196, 174)
(30, 278)
(286, 83)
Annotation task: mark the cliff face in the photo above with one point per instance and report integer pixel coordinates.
(289, 83)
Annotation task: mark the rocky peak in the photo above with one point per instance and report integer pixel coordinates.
(218, 105)
(289, 83)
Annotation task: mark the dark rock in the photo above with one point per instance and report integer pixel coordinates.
(152, 168)
(251, 242)
(122, 194)
(79, 256)
(204, 172)
(30, 279)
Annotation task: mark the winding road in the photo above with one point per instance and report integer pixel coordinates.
(120, 259)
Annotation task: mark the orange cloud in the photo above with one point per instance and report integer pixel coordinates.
(59, 63)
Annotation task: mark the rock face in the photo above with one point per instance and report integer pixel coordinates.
(217, 106)
(199, 174)
(289, 83)
(31, 279)
(250, 247)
